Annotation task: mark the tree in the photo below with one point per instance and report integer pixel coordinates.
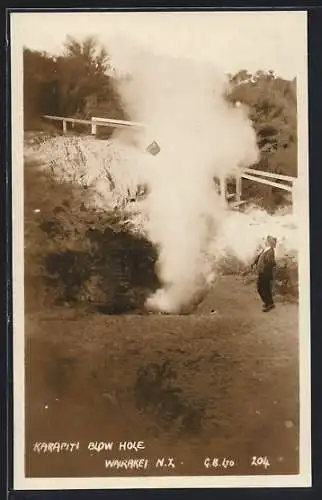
(77, 83)
(271, 102)
(39, 85)
(83, 73)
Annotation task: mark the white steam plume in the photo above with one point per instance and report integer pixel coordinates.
(182, 105)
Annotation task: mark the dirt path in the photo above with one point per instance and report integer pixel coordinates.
(221, 383)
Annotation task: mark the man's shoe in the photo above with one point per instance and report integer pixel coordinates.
(269, 308)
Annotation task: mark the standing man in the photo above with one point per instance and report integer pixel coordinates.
(266, 265)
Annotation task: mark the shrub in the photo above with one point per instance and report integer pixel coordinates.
(286, 282)
(74, 254)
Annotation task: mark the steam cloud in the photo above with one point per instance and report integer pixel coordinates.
(182, 105)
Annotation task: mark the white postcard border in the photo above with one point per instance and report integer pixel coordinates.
(20, 481)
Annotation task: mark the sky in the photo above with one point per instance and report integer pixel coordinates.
(265, 40)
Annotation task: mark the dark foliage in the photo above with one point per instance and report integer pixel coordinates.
(75, 84)
(75, 255)
(272, 107)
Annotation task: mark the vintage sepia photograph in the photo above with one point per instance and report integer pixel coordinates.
(161, 328)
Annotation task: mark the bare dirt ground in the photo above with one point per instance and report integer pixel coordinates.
(210, 384)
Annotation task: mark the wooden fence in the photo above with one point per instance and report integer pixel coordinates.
(284, 182)
(94, 122)
(279, 181)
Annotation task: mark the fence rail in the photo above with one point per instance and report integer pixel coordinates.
(111, 122)
(94, 122)
(282, 177)
(269, 183)
(68, 120)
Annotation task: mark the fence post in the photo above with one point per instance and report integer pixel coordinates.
(223, 190)
(64, 126)
(94, 127)
(238, 187)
